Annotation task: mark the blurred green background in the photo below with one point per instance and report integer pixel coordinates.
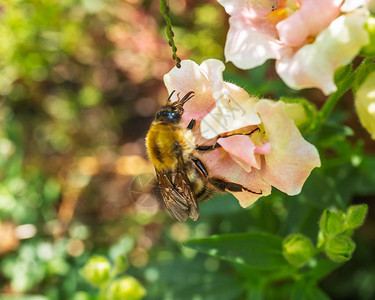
(80, 82)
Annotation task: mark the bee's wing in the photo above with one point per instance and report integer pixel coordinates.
(183, 186)
(177, 195)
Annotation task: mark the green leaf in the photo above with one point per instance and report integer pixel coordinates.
(303, 291)
(189, 279)
(320, 270)
(257, 250)
(367, 67)
(356, 215)
(344, 78)
(256, 293)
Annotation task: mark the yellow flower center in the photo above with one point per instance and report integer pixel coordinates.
(284, 9)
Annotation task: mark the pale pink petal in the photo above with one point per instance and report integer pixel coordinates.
(314, 65)
(214, 68)
(246, 199)
(250, 44)
(263, 149)
(312, 17)
(350, 5)
(221, 165)
(249, 8)
(292, 158)
(188, 78)
(191, 78)
(231, 113)
(242, 150)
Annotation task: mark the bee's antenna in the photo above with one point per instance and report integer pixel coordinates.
(170, 96)
(186, 98)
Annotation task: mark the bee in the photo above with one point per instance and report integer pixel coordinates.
(183, 178)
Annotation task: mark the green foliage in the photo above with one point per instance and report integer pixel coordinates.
(256, 250)
(369, 49)
(302, 112)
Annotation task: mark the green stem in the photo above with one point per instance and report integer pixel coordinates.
(346, 82)
(164, 9)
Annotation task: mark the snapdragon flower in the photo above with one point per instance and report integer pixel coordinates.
(310, 39)
(260, 145)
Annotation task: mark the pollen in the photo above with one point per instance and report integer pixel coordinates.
(278, 15)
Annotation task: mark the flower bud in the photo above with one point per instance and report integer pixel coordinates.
(297, 249)
(321, 239)
(339, 248)
(369, 49)
(332, 222)
(301, 111)
(81, 296)
(126, 287)
(356, 215)
(365, 104)
(97, 270)
(121, 264)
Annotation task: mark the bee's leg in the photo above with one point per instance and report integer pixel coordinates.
(207, 148)
(200, 166)
(191, 124)
(217, 145)
(223, 186)
(249, 133)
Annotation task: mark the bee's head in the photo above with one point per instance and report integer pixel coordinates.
(170, 114)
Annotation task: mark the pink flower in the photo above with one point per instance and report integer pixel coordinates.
(276, 154)
(309, 39)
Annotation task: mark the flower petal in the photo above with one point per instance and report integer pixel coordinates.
(250, 44)
(242, 150)
(314, 65)
(249, 8)
(232, 112)
(350, 5)
(214, 69)
(292, 158)
(221, 165)
(312, 17)
(190, 77)
(365, 104)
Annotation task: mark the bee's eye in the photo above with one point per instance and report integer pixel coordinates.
(166, 115)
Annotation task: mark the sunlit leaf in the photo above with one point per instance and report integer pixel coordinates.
(257, 250)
